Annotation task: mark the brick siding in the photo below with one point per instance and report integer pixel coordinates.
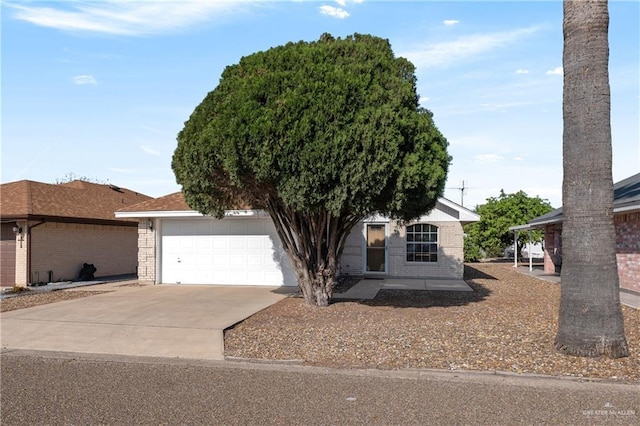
(450, 252)
(62, 248)
(146, 253)
(628, 250)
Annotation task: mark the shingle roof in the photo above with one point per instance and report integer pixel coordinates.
(626, 196)
(73, 200)
(626, 193)
(168, 203)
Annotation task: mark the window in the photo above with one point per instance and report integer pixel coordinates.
(422, 243)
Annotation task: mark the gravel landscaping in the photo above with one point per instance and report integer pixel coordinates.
(507, 324)
(31, 298)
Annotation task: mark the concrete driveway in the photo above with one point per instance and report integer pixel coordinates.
(166, 320)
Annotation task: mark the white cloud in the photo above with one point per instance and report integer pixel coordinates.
(463, 48)
(488, 158)
(82, 80)
(150, 150)
(124, 17)
(334, 12)
(555, 71)
(450, 22)
(342, 3)
(521, 71)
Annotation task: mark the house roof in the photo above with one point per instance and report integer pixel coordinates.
(626, 197)
(174, 205)
(76, 200)
(168, 203)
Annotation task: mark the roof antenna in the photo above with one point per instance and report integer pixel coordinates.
(462, 188)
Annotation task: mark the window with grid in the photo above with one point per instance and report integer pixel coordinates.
(422, 243)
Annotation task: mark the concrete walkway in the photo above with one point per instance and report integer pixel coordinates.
(538, 272)
(367, 289)
(167, 320)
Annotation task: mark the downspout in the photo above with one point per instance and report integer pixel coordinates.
(29, 228)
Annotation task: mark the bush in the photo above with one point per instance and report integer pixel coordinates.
(472, 251)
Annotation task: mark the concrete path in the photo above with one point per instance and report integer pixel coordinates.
(168, 321)
(367, 289)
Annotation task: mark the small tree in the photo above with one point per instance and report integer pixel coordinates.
(70, 177)
(321, 135)
(492, 233)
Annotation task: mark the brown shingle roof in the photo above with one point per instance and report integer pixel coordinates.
(73, 200)
(168, 203)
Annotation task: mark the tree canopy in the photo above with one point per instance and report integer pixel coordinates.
(500, 213)
(320, 134)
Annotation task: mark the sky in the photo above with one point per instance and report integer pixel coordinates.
(100, 89)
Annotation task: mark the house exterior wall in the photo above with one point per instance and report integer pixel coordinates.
(627, 228)
(450, 252)
(62, 248)
(552, 248)
(146, 253)
(352, 260)
(628, 250)
(22, 241)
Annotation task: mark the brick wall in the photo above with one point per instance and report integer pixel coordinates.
(21, 256)
(62, 248)
(628, 250)
(146, 253)
(450, 255)
(552, 248)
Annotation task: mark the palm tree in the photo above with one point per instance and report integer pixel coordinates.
(590, 321)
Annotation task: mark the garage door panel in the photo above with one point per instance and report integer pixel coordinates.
(232, 251)
(221, 243)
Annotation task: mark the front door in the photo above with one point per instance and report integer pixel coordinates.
(376, 251)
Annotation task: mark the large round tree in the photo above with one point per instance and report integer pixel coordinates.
(320, 135)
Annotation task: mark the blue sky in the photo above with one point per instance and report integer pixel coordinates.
(100, 89)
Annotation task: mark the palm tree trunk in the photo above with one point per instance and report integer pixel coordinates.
(590, 320)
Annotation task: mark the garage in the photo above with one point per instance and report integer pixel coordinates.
(7, 255)
(230, 251)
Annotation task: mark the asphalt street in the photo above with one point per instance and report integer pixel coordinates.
(57, 388)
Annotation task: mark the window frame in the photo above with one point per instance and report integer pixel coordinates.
(428, 236)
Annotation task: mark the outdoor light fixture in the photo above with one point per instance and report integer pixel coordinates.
(17, 229)
(150, 224)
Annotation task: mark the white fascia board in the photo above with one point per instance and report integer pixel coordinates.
(520, 227)
(626, 209)
(191, 213)
(466, 215)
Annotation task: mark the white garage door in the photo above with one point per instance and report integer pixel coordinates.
(234, 251)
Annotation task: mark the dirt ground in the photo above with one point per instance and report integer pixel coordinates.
(508, 324)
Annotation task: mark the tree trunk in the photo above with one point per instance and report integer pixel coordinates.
(590, 318)
(314, 243)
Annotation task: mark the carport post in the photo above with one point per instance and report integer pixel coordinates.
(530, 254)
(515, 248)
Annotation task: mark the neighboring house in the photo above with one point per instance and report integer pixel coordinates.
(179, 245)
(626, 210)
(50, 231)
